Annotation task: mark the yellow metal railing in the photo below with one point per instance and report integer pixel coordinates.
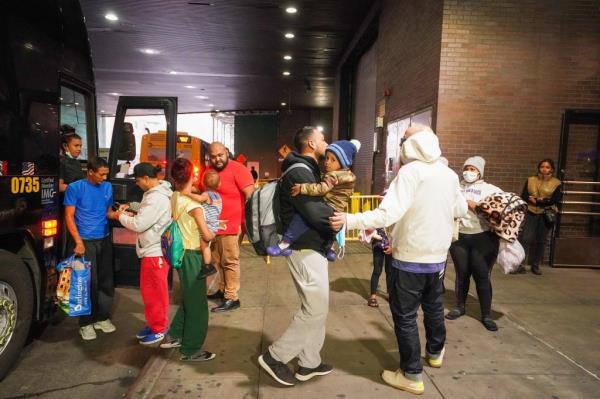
(361, 203)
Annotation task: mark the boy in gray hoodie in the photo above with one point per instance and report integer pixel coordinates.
(150, 221)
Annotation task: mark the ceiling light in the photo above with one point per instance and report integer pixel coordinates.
(149, 51)
(291, 10)
(190, 87)
(102, 111)
(201, 97)
(289, 35)
(283, 104)
(286, 73)
(211, 105)
(111, 17)
(287, 57)
(28, 46)
(114, 94)
(173, 72)
(217, 110)
(320, 128)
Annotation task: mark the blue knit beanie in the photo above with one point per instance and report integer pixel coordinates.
(345, 151)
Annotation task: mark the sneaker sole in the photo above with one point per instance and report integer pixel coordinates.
(197, 359)
(404, 388)
(105, 331)
(268, 369)
(88, 338)
(311, 375)
(170, 346)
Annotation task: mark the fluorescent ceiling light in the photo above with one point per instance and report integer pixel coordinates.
(218, 110)
(190, 87)
(111, 16)
(211, 105)
(286, 73)
(291, 10)
(289, 35)
(102, 111)
(287, 57)
(283, 104)
(149, 51)
(114, 94)
(202, 97)
(172, 72)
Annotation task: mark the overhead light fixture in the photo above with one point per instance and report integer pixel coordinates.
(28, 46)
(217, 110)
(201, 97)
(320, 128)
(287, 57)
(211, 105)
(111, 17)
(114, 94)
(149, 51)
(102, 111)
(286, 73)
(289, 35)
(173, 72)
(283, 104)
(190, 87)
(291, 10)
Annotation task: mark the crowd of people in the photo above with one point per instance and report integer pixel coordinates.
(411, 233)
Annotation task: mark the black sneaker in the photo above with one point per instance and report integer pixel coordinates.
(198, 356)
(206, 271)
(217, 295)
(305, 374)
(455, 313)
(226, 306)
(489, 323)
(276, 369)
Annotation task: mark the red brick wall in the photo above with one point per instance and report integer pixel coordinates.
(408, 61)
(508, 70)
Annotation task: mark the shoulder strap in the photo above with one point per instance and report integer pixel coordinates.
(174, 206)
(294, 166)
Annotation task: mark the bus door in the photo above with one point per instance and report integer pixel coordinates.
(135, 118)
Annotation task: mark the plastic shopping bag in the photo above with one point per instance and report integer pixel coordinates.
(73, 289)
(510, 255)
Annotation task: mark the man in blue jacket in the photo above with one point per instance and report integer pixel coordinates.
(304, 337)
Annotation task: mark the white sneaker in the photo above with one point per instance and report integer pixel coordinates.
(87, 333)
(106, 326)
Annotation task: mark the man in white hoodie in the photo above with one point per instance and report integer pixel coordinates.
(150, 221)
(422, 202)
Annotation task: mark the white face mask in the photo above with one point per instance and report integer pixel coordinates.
(470, 177)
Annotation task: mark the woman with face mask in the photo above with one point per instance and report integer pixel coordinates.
(476, 249)
(540, 192)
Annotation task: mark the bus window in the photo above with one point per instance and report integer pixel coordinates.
(73, 113)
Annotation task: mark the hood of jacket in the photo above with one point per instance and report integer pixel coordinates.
(422, 146)
(164, 187)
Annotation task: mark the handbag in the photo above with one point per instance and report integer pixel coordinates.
(549, 216)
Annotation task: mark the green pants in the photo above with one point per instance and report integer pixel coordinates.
(191, 320)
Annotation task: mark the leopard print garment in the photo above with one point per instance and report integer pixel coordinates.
(505, 213)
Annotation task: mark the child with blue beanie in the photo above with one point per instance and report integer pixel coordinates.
(336, 187)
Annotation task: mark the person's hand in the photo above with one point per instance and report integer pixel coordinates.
(295, 190)
(79, 249)
(387, 250)
(472, 204)
(337, 221)
(223, 224)
(532, 199)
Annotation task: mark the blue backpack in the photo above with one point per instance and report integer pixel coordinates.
(171, 242)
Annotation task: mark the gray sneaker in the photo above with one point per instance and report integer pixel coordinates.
(198, 356)
(305, 374)
(276, 369)
(170, 342)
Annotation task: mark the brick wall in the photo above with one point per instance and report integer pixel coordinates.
(508, 69)
(408, 61)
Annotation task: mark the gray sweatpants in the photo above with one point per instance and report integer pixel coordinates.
(304, 337)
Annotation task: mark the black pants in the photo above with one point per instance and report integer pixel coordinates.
(380, 260)
(99, 253)
(533, 238)
(407, 292)
(475, 255)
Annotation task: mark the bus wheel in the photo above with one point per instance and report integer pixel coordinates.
(16, 307)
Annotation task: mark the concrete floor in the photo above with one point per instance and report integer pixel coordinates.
(548, 345)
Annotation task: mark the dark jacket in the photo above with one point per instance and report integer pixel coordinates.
(314, 210)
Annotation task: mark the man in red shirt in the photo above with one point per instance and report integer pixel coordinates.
(236, 186)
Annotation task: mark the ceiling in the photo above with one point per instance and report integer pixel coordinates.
(230, 51)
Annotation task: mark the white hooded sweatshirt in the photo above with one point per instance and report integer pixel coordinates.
(422, 201)
(152, 219)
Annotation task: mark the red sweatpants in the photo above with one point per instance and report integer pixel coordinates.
(155, 292)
